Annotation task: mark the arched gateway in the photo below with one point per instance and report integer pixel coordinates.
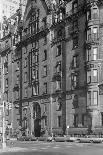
(37, 119)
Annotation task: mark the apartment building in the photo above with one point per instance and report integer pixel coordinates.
(10, 72)
(57, 67)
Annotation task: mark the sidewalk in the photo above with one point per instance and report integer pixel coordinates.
(12, 149)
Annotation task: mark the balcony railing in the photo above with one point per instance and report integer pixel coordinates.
(92, 39)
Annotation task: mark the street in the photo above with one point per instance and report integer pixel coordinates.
(53, 148)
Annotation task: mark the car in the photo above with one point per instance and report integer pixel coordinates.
(27, 138)
(90, 140)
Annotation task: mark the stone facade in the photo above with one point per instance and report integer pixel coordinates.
(58, 50)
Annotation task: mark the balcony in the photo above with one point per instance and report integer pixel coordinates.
(92, 40)
(90, 108)
(93, 21)
(89, 65)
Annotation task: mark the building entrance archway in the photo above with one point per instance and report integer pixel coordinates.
(37, 119)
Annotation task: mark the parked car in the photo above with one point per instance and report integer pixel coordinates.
(27, 138)
(90, 140)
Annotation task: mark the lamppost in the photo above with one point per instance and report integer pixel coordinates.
(3, 107)
(67, 129)
(3, 131)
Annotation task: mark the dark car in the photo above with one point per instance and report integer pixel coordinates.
(27, 138)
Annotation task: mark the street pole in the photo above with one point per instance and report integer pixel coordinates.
(3, 136)
(3, 107)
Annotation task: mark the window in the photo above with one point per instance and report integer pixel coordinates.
(89, 15)
(61, 16)
(30, 67)
(6, 82)
(75, 120)
(25, 77)
(102, 118)
(75, 24)
(75, 42)
(59, 121)
(58, 50)
(95, 50)
(35, 90)
(88, 54)
(25, 62)
(0, 112)
(45, 87)
(45, 108)
(95, 13)
(26, 92)
(74, 80)
(75, 7)
(45, 70)
(18, 66)
(59, 106)
(89, 34)
(35, 57)
(95, 33)
(59, 33)
(17, 94)
(45, 40)
(45, 22)
(75, 61)
(45, 120)
(6, 96)
(95, 97)
(34, 74)
(88, 76)
(37, 44)
(45, 54)
(25, 111)
(58, 85)
(58, 67)
(95, 75)
(18, 79)
(84, 119)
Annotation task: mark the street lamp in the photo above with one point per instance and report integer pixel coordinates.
(3, 132)
(3, 107)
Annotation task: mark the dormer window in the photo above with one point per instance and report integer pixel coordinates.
(95, 13)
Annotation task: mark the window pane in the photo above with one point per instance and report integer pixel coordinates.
(89, 98)
(95, 97)
(94, 53)
(88, 76)
(95, 30)
(95, 72)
